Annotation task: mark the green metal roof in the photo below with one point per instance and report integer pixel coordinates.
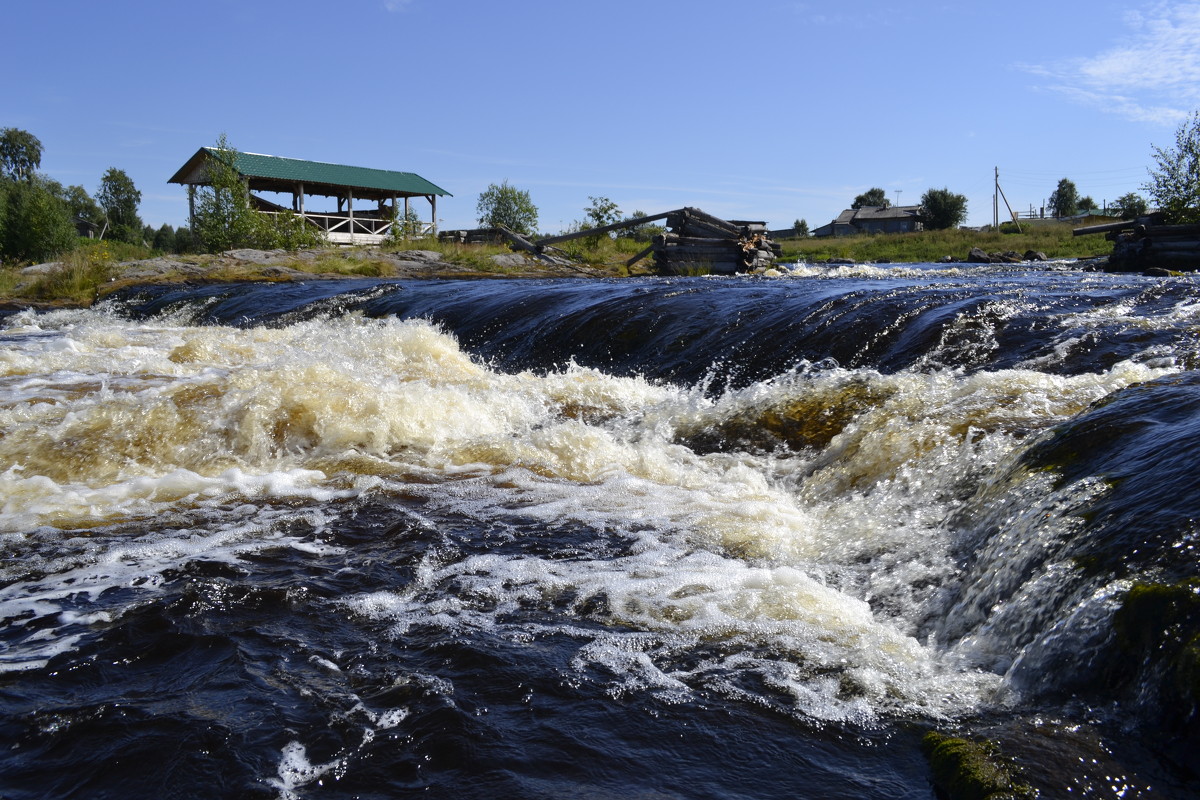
(287, 171)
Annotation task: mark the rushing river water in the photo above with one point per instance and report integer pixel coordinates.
(661, 538)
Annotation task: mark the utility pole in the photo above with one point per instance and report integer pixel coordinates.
(898, 191)
(996, 202)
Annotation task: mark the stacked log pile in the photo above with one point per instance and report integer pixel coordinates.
(473, 236)
(1170, 247)
(1146, 244)
(697, 243)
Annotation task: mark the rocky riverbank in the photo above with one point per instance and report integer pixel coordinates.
(32, 285)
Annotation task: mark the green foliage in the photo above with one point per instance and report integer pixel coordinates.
(1086, 205)
(942, 208)
(284, 230)
(83, 207)
(1064, 200)
(1130, 206)
(119, 198)
(507, 206)
(404, 226)
(800, 226)
(642, 233)
(1175, 185)
(871, 198)
(224, 219)
(184, 240)
(601, 212)
(36, 222)
(164, 239)
(20, 154)
(969, 770)
(79, 276)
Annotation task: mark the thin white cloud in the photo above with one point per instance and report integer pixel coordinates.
(396, 5)
(1152, 75)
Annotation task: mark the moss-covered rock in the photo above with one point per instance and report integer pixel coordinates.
(1158, 625)
(973, 770)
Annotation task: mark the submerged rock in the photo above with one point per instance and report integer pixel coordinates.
(970, 770)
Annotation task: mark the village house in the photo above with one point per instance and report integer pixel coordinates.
(873, 219)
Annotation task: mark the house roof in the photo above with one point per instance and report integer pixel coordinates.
(274, 173)
(881, 212)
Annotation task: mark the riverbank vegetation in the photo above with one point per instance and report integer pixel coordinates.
(1054, 239)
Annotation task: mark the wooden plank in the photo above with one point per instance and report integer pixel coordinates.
(627, 223)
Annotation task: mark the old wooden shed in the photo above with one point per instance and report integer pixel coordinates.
(347, 224)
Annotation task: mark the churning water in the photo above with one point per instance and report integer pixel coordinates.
(664, 538)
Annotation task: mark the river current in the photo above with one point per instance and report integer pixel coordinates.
(721, 538)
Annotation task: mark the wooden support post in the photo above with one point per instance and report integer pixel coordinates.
(640, 256)
(192, 207)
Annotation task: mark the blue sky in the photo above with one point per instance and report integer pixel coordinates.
(763, 109)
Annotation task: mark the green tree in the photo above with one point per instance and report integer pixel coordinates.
(83, 207)
(871, 198)
(1130, 205)
(223, 217)
(1086, 205)
(601, 212)
(800, 226)
(942, 208)
(1064, 200)
(644, 232)
(1175, 184)
(184, 241)
(20, 154)
(37, 222)
(164, 239)
(508, 206)
(405, 225)
(119, 198)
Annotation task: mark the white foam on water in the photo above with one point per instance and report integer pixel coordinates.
(813, 566)
(296, 771)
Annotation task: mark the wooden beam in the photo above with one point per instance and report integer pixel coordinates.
(1110, 226)
(628, 223)
(640, 256)
(518, 241)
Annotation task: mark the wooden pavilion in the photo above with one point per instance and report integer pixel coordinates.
(346, 225)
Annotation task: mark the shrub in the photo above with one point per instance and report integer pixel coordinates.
(1175, 185)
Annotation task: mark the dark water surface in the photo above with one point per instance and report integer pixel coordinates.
(662, 538)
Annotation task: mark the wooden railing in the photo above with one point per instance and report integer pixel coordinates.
(364, 229)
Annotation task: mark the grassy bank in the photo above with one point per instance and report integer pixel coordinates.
(93, 268)
(1052, 238)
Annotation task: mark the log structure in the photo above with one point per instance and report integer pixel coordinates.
(695, 243)
(1145, 243)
